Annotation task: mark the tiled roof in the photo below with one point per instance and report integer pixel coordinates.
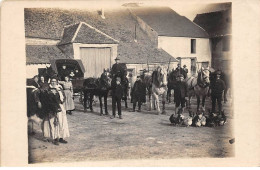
(166, 22)
(215, 23)
(85, 34)
(40, 54)
(119, 24)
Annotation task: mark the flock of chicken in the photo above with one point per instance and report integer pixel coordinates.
(212, 120)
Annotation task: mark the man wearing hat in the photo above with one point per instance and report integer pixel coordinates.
(117, 94)
(115, 67)
(179, 70)
(217, 88)
(180, 93)
(185, 71)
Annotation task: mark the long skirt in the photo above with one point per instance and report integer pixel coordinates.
(50, 129)
(69, 103)
(63, 123)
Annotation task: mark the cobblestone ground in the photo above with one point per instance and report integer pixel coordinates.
(139, 135)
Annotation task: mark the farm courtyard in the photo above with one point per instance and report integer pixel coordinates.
(139, 135)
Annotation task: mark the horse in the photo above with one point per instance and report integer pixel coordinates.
(199, 85)
(159, 88)
(171, 85)
(98, 87)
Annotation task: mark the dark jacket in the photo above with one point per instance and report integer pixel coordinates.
(115, 69)
(181, 71)
(139, 91)
(63, 73)
(217, 87)
(181, 90)
(43, 86)
(117, 90)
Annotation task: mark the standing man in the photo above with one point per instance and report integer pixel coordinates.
(63, 72)
(185, 71)
(117, 94)
(180, 93)
(138, 93)
(217, 88)
(179, 70)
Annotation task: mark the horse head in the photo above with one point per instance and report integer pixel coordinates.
(106, 79)
(204, 76)
(160, 77)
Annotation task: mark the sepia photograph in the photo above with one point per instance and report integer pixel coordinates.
(136, 81)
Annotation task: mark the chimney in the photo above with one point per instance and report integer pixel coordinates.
(103, 13)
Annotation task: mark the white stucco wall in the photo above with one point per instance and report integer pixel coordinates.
(32, 69)
(181, 47)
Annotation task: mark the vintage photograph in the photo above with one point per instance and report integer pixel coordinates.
(136, 81)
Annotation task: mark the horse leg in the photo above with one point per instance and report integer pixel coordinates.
(90, 102)
(126, 102)
(85, 100)
(156, 97)
(203, 103)
(198, 103)
(101, 105)
(105, 102)
(225, 95)
(163, 102)
(149, 108)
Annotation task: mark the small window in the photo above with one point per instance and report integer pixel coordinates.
(226, 43)
(193, 46)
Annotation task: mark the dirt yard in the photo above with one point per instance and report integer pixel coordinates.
(139, 135)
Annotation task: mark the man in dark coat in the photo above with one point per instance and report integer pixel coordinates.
(179, 70)
(217, 88)
(33, 82)
(117, 93)
(138, 93)
(116, 67)
(180, 93)
(185, 71)
(63, 72)
(43, 84)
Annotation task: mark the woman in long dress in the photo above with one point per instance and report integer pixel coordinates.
(68, 91)
(55, 124)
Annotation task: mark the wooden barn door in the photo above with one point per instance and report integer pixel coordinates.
(95, 60)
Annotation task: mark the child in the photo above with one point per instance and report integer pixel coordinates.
(117, 93)
(138, 94)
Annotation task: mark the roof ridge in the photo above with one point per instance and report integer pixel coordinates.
(197, 26)
(97, 30)
(76, 32)
(222, 10)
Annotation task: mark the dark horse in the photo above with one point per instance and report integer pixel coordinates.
(98, 87)
(172, 81)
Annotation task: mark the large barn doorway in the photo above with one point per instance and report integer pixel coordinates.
(95, 60)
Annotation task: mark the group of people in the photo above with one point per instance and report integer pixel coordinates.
(53, 100)
(217, 87)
